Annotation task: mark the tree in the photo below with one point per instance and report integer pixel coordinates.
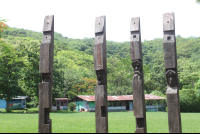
(197, 1)
(3, 26)
(189, 75)
(10, 68)
(72, 106)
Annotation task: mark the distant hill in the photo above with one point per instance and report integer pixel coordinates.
(76, 55)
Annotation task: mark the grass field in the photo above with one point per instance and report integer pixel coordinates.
(84, 122)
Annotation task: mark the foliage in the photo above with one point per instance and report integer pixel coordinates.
(3, 26)
(72, 106)
(9, 110)
(155, 102)
(189, 100)
(86, 87)
(73, 62)
(10, 68)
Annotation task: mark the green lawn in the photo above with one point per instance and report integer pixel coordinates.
(84, 122)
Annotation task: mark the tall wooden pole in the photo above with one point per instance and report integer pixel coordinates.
(170, 61)
(138, 81)
(46, 70)
(100, 66)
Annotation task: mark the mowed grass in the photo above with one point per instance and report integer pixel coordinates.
(84, 122)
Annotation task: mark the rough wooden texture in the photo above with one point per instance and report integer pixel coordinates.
(44, 58)
(46, 70)
(100, 24)
(139, 130)
(138, 81)
(168, 22)
(101, 110)
(135, 48)
(138, 98)
(173, 108)
(44, 104)
(169, 55)
(48, 23)
(44, 95)
(100, 65)
(100, 53)
(170, 61)
(135, 24)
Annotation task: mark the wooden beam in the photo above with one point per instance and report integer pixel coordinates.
(138, 81)
(100, 65)
(46, 70)
(170, 62)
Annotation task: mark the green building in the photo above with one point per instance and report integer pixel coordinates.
(115, 103)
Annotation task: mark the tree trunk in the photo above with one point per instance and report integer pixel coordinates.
(7, 104)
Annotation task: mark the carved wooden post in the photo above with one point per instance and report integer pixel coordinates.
(170, 61)
(138, 81)
(100, 65)
(46, 69)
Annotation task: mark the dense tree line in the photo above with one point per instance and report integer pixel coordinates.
(74, 71)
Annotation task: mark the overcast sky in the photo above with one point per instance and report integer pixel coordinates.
(76, 18)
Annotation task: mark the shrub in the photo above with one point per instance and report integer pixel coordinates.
(32, 104)
(72, 106)
(189, 100)
(9, 110)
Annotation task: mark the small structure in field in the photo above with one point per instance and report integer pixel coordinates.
(17, 103)
(115, 103)
(61, 104)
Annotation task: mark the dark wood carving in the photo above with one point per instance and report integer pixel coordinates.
(101, 106)
(138, 81)
(46, 70)
(170, 61)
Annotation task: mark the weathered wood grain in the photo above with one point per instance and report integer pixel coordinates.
(100, 65)
(135, 50)
(173, 109)
(135, 24)
(44, 63)
(138, 81)
(170, 62)
(168, 22)
(139, 130)
(44, 105)
(101, 109)
(99, 24)
(169, 55)
(48, 23)
(138, 98)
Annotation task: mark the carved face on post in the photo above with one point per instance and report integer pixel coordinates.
(100, 77)
(171, 78)
(137, 69)
(136, 65)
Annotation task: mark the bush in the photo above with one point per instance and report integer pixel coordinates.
(32, 104)
(9, 110)
(189, 100)
(72, 106)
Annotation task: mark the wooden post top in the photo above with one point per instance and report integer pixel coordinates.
(100, 24)
(135, 24)
(48, 23)
(168, 22)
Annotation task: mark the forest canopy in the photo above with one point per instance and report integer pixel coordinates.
(74, 70)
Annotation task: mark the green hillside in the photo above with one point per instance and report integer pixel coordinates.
(74, 71)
